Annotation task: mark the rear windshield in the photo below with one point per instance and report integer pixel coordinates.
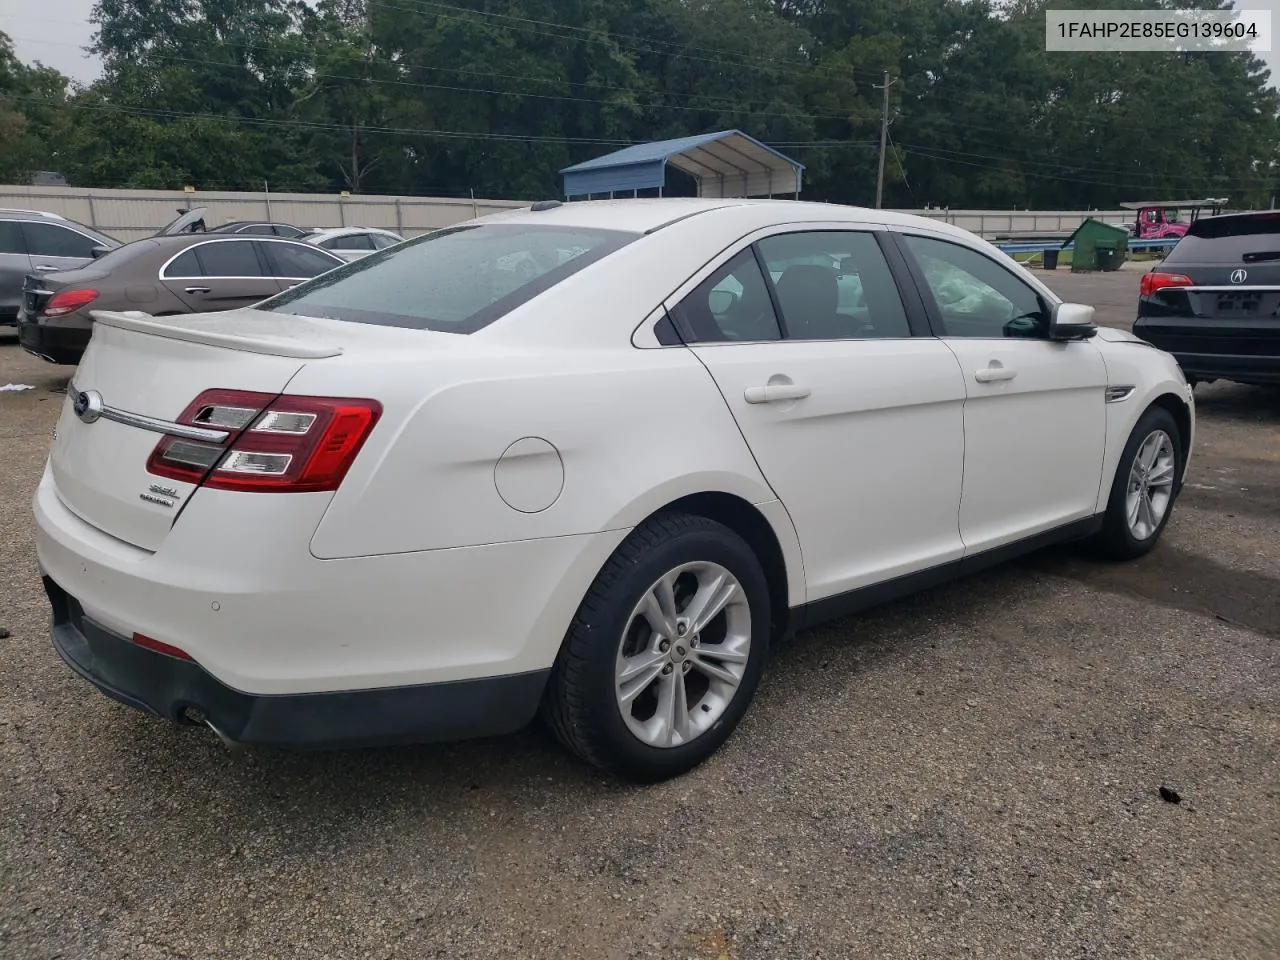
(1229, 240)
(455, 281)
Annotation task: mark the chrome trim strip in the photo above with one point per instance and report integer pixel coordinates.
(242, 238)
(1232, 288)
(155, 424)
(1119, 394)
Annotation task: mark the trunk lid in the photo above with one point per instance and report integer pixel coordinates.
(150, 368)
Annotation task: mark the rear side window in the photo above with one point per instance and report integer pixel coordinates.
(730, 306)
(11, 237)
(259, 230)
(382, 241)
(47, 240)
(220, 258)
(456, 280)
(296, 261)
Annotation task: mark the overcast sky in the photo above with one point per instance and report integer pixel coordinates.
(54, 31)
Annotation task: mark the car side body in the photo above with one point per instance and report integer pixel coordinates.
(32, 241)
(352, 243)
(521, 464)
(161, 276)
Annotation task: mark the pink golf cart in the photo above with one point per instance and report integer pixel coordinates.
(1161, 220)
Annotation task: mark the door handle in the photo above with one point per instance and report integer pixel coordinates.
(993, 374)
(45, 268)
(197, 289)
(775, 392)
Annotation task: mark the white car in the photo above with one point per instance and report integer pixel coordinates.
(353, 243)
(423, 498)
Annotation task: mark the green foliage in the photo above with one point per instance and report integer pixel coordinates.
(446, 97)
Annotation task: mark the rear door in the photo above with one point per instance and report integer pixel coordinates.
(54, 247)
(219, 274)
(14, 266)
(855, 422)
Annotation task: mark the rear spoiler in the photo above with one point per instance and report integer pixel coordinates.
(174, 328)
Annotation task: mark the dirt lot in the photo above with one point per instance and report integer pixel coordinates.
(971, 773)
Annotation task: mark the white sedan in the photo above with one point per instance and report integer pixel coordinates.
(427, 496)
(353, 243)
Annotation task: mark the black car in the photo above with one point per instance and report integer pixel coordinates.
(1214, 301)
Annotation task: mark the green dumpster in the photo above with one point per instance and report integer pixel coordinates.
(1098, 246)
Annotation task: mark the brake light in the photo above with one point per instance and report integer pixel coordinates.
(1151, 282)
(159, 646)
(69, 301)
(281, 444)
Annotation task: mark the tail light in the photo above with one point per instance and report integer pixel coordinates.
(1151, 282)
(69, 301)
(280, 444)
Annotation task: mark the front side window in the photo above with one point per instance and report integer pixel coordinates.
(49, 240)
(382, 240)
(834, 285)
(455, 280)
(975, 296)
(731, 305)
(354, 241)
(258, 230)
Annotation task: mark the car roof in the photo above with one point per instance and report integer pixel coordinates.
(9, 212)
(347, 231)
(650, 214)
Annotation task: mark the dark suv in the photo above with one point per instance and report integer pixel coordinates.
(1214, 301)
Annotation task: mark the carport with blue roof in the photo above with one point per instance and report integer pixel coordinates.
(728, 163)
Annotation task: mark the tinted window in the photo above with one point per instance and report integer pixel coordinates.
(284, 230)
(456, 280)
(295, 261)
(1242, 240)
(258, 230)
(48, 240)
(732, 304)
(185, 266)
(352, 241)
(11, 237)
(224, 258)
(975, 296)
(382, 241)
(834, 285)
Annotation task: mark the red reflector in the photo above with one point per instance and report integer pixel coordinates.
(69, 301)
(160, 646)
(1151, 282)
(285, 444)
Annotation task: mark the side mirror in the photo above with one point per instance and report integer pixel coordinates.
(1071, 321)
(100, 252)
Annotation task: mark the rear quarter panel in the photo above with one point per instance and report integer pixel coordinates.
(632, 431)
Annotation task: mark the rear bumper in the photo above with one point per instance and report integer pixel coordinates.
(175, 689)
(1214, 353)
(63, 345)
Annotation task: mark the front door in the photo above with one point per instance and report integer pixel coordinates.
(1035, 413)
(53, 247)
(855, 423)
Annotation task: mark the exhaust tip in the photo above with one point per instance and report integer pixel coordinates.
(197, 716)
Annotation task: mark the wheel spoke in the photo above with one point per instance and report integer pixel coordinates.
(1161, 475)
(1147, 513)
(636, 676)
(680, 725)
(659, 607)
(709, 601)
(1149, 451)
(715, 670)
(1133, 508)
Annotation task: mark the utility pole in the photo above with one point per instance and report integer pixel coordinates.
(884, 136)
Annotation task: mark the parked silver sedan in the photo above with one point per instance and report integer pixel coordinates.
(352, 243)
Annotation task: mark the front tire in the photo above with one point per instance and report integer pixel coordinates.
(665, 652)
(1145, 487)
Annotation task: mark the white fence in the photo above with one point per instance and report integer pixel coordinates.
(134, 214)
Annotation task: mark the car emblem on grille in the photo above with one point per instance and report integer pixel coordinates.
(87, 405)
(1239, 276)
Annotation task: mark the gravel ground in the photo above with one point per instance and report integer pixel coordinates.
(971, 773)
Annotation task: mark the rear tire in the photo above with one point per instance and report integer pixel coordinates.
(1145, 487)
(678, 615)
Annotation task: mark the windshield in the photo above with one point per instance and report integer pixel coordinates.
(455, 281)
